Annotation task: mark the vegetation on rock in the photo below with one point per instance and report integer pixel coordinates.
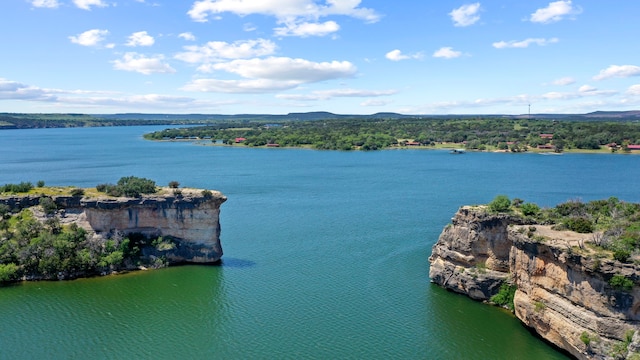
(129, 186)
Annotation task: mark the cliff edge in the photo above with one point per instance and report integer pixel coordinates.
(574, 296)
(184, 224)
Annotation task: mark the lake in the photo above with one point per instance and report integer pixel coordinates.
(325, 251)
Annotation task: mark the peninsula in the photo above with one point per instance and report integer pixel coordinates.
(570, 273)
(53, 233)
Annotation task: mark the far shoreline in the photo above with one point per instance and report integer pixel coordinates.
(442, 147)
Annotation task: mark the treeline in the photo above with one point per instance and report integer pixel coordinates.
(372, 134)
(38, 121)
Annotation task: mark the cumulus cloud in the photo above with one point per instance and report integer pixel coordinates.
(564, 81)
(87, 4)
(12, 90)
(215, 51)
(620, 71)
(397, 55)
(187, 36)
(288, 69)
(306, 29)
(524, 43)
(447, 53)
(271, 74)
(634, 90)
(555, 11)
(45, 3)
(140, 63)
(288, 9)
(465, 15)
(92, 37)
(140, 38)
(586, 88)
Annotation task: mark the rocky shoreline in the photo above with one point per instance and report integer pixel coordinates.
(564, 292)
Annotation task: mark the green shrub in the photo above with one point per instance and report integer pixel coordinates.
(529, 209)
(207, 194)
(505, 295)
(8, 272)
(621, 282)
(580, 224)
(500, 203)
(48, 205)
(134, 186)
(174, 184)
(77, 192)
(585, 338)
(40, 183)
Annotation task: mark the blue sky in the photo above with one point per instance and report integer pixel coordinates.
(342, 56)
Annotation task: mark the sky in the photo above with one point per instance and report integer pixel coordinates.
(342, 56)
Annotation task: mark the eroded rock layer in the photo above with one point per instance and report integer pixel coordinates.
(190, 220)
(564, 290)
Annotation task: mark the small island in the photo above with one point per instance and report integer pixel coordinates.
(57, 233)
(570, 273)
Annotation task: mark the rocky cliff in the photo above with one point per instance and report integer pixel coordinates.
(189, 221)
(565, 291)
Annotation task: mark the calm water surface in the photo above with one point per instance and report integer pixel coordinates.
(325, 252)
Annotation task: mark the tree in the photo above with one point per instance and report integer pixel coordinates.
(500, 203)
(174, 184)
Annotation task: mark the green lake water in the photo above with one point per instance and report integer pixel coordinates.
(325, 252)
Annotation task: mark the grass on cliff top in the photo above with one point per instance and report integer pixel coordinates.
(613, 225)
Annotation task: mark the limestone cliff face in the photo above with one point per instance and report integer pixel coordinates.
(190, 221)
(563, 292)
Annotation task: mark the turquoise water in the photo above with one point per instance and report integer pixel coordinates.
(325, 252)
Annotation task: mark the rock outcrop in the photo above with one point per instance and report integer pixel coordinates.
(189, 220)
(564, 290)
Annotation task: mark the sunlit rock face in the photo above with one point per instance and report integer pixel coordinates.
(562, 293)
(190, 220)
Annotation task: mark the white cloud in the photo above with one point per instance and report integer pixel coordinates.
(634, 90)
(187, 36)
(248, 27)
(90, 37)
(465, 15)
(238, 86)
(271, 74)
(140, 38)
(306, 29)
(621, 71)
(282, 9)
(524, 43)
(215, 51)
(329, 94)
(87, 4)
(564, 81)
(586, 88)
(397, 55)
(447, 53)
(45, 3)
(145, 65)
(555, 11)
(288, 69)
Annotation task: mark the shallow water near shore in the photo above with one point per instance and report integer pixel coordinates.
(325, 252)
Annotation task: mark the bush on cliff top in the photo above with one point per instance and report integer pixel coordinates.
(500, 203)
(130, 186)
